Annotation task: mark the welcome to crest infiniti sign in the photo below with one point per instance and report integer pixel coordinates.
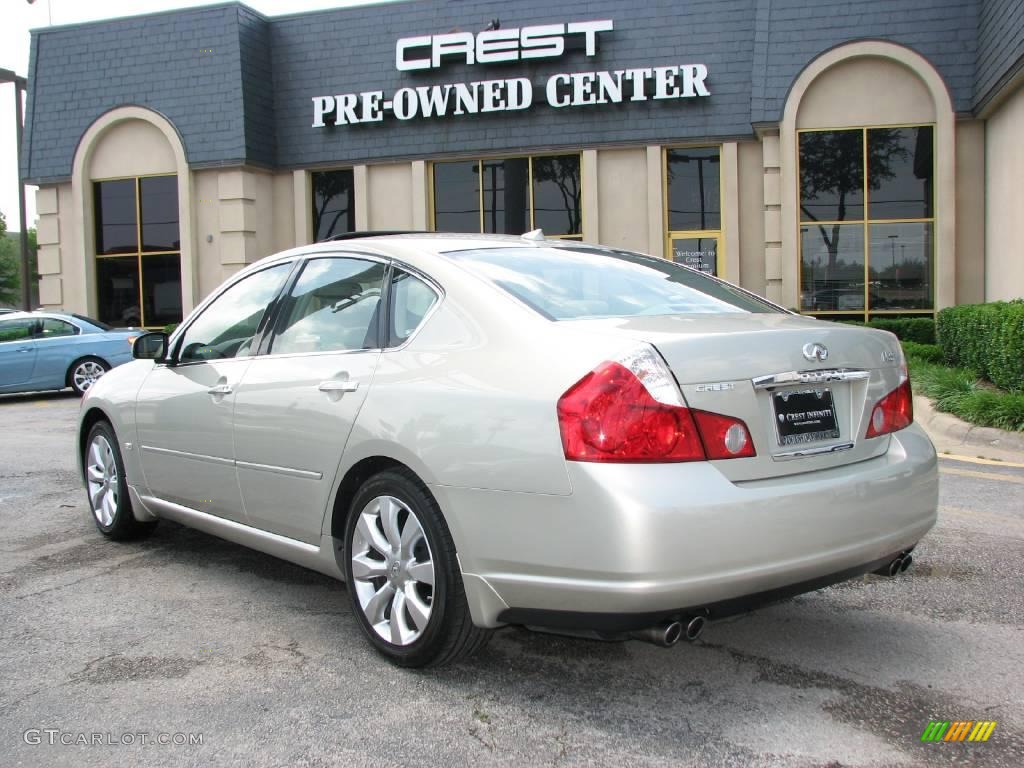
(575, 89)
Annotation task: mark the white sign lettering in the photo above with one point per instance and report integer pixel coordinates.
(495, 45)
(567, 89)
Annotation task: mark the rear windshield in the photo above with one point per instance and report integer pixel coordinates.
(576, 282)
(97, 323)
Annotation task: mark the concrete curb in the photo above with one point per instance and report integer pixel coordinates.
(951, 435)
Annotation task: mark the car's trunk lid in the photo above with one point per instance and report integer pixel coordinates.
(804, 388)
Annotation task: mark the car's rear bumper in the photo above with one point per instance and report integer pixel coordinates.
(654, 540)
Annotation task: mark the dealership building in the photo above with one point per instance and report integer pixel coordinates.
(846, 159)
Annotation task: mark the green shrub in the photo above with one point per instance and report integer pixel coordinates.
(920, 330)
(958, 391)
(930, 353)
(170, 327)
(987, 338)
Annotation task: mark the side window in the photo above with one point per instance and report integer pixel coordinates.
(334, 307)
(53, 327)
(226, 327)
(411, 299)
(16, 330)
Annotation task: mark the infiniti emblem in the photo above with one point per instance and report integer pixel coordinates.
(815, 351)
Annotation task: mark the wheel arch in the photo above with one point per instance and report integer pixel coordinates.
(353, 480)
(88, 420)
(79, 359)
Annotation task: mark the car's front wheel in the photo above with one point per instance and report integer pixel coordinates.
(85, 372)
(403, 576)
(108, 487)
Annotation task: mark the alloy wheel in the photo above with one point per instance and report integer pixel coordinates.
(101, 471)
(86, 374)
(392, 570)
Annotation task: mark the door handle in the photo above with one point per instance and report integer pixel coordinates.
(220, 389)
(338, 385)
(24, 349)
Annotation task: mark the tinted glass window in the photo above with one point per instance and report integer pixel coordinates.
(557, 202)
(456, 197)
(411, 299)
(91, 321)
(334, 209)
(161, 288)
(117, 287)
(572, 283)
(694, 196)
(332, 308)
(16, 330)
(506, 195)
(900, 173)
(116, 220)
(831, 175)
(226, 327)
(53, 327)
(832, 267)
(158, 201)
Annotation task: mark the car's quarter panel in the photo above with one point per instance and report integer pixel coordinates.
(185, 435)
(290, 435)
(56, 355)
(636, 538)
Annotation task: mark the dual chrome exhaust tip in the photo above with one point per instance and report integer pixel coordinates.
(668, 633)
(899, 565)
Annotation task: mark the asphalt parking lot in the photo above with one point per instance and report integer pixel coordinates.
(191, 637)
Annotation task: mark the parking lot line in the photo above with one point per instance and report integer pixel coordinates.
(976, 460)
(982, 475)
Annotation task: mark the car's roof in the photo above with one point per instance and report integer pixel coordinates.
(398, 244)
(53, 313)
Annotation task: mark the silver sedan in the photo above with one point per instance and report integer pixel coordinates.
(479, 431)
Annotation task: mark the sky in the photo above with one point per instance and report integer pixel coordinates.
(20, 16)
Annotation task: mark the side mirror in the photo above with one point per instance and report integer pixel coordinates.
(150, 346)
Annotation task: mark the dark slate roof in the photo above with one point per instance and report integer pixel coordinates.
(238, 86)
(1000, 46)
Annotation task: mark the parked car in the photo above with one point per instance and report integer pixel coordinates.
(476, 431)
(54, 350)
(6, 310)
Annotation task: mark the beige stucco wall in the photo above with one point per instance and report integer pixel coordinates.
(750, 200)
(131, 148)
(1004, 215)
(970, 211)
(389, 196)
(850, 94)
(622, 198)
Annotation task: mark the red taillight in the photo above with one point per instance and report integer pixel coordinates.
(610, 416)
(893, 412)
(724, 437)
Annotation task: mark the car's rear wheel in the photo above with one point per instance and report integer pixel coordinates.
(85, 372)
(107, 487)
(403, 576)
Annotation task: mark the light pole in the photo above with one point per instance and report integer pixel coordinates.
(6, 76)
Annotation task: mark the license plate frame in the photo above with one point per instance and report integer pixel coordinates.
(804, 416)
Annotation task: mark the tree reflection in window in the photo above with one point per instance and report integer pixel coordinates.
(333, 203)
(835, 270)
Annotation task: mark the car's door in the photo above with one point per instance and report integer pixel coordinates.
(184, 408)
(54, 351)
(17, 351)
(296, 404)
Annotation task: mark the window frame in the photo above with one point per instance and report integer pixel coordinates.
(480, 160)
(866, 222)
(138, 253)
(259, 338)
(694, 234)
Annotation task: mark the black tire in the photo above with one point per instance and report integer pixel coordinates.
(449, 633)
(116, 521)
(82, 373)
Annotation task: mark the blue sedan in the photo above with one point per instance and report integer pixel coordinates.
(54, 350)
